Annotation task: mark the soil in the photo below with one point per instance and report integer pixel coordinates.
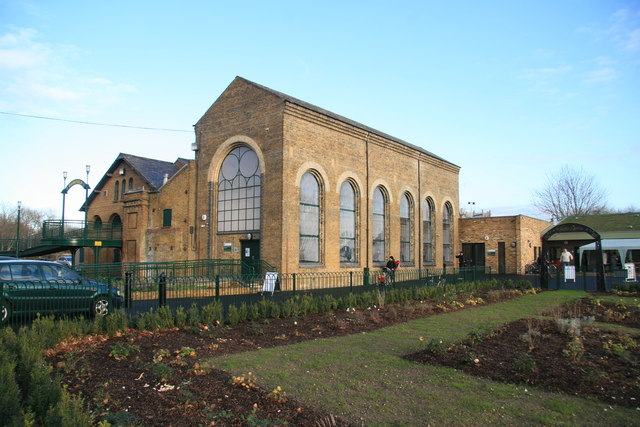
(154, 379)
(556, 355)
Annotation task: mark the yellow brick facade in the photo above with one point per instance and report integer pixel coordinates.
(509, 243)
(291, 139)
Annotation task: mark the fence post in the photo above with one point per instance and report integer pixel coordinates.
(217, 287)
(294, 284)
(127, 289)
(2, 306)
(162, 289)
(351, 281)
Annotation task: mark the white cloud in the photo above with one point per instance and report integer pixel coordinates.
(39, 77)
(601, 75)
(625, 30)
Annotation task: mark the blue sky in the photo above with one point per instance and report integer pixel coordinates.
(508, 90)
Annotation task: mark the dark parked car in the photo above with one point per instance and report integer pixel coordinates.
(31, 287)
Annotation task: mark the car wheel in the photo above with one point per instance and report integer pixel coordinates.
(6, 312)
(100, 307)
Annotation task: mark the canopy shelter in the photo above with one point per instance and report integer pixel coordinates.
(625, 250)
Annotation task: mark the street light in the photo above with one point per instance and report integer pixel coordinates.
(64, 194)
(18, 232)
(86, 196)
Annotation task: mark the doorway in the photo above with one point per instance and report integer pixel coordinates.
(502, 255)
(250, 257)
(474, 254)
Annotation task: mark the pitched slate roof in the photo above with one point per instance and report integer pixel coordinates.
(340, 118)
(151, 170)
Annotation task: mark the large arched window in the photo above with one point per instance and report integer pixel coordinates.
(348, 230)
(427, 232)
(309, 219)
(379, 226)
(447, 233)
(239, 192)
(406, 229)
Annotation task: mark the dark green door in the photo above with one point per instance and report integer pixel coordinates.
(502, 268)
(250, 257)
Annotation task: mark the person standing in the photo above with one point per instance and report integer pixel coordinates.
(461, 260)
(392, 265)
(566, 257)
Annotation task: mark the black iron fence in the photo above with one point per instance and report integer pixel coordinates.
(143, 286)
(139, 287)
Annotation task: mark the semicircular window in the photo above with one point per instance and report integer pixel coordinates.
(239, 189)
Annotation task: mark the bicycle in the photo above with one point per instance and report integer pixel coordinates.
(385, 279)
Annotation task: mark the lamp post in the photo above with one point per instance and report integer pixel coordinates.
(472, 205)
(18, 231)
(86, 196)
(64, 195)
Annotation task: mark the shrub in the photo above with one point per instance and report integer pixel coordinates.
(44, 391)
(69, 411)
(10, 411)
(233, 315)
(181, 317)
(193, 315)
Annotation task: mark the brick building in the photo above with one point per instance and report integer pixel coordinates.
(506, 243)
(152, 199)
(279, 180)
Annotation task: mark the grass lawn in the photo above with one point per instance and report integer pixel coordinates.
(362, 378)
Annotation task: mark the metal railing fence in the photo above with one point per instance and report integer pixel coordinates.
(146, 286)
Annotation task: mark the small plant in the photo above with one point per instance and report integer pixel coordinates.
(120, 351)
(526, 363)
(200, 370)
(160, 355)
(277, 395)
(574, 350)
(380, 297)
(162, 372)
(257, 328)
(528, 337)
(619, 345)
(185, 352)
(436, 346)
(248, 381)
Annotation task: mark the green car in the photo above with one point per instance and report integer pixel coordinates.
(30, 287)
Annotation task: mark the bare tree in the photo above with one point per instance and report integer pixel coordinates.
(30, 221)
(570, 192)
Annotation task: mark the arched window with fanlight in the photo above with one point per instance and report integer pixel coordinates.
(239, 192)
(428, 256)
(447, 234)
(406, 229)
(348, 229)
(310, 199)
(379, 220)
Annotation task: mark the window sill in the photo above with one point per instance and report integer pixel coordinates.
(349, 265)
(311, 265)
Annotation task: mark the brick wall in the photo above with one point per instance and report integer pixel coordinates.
(520, 235)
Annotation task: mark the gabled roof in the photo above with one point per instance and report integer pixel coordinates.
(151, 170)
(338, 117)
